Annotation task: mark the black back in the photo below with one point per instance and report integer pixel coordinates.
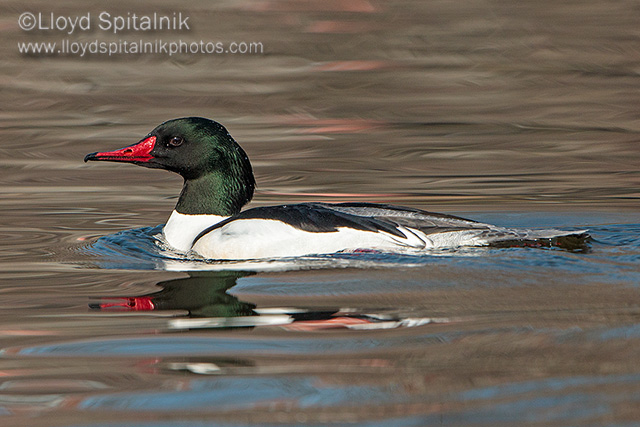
(327, 218)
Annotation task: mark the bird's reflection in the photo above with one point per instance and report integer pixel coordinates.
(202, 294)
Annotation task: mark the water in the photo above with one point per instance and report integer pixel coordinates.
(519, 115)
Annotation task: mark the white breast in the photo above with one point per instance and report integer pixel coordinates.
(181, 229)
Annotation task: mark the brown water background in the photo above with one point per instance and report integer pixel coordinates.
(515, 113)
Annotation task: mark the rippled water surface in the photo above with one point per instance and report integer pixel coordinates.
(516, 114)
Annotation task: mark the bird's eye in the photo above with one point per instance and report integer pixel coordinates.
(176, 141)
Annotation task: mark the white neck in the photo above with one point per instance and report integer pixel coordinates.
(181, 229)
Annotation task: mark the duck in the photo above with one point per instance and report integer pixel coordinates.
(209, 221)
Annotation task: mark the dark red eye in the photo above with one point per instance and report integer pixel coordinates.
(176, 141)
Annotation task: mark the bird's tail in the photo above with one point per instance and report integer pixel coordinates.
(574, 241)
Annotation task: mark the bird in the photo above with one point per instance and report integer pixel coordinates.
(208, 220)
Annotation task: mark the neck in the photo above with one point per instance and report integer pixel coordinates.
(214, 194)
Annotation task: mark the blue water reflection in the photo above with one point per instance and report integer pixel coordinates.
(236, 393)
(415, 421)
(171, 345)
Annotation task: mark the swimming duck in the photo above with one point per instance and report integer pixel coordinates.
(218, 182)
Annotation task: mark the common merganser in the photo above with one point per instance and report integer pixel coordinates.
(218, 182)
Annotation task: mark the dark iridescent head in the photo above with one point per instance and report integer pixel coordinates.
(217, 172)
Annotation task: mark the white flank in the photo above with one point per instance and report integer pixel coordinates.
(263, 238)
